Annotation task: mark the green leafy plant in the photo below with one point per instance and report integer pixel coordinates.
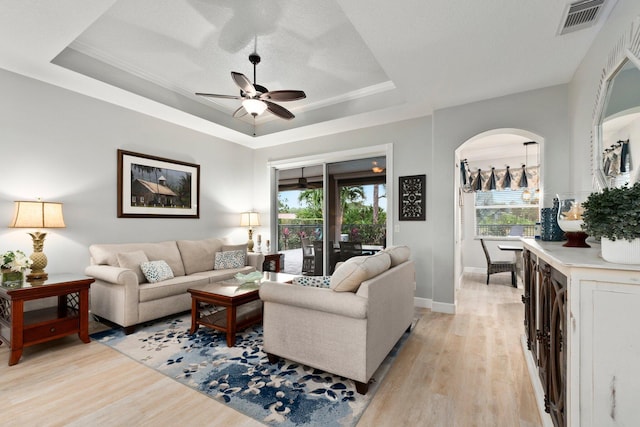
(613, 213)
(15, 261)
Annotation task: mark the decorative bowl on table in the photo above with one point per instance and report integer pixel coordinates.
(570, 212)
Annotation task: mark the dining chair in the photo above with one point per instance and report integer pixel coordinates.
(349, 250)
(307, 257)
(499, 266)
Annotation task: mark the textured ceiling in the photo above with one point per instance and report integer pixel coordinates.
(360, 62)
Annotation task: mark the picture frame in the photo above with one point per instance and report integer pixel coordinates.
(412, 200)
(155, 187)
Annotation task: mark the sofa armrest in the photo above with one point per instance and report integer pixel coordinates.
(115, 275)
(255, 260)
(114, 294)
(320, 299)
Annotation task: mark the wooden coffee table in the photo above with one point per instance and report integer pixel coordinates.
(238, 308)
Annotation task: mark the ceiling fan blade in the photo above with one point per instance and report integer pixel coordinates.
(213, 95)
(284, 95)
(243, 83)
(240, 112)
(279, 111)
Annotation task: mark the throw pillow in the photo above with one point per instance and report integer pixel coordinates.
(156, 271)
(313, 281)
(132, 260)
(398, 254)
(229, 259)
(354, 271)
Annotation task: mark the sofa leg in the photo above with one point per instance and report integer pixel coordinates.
(128, 330)
(272, 358)
(362, 388)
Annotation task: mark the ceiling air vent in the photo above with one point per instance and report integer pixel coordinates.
(581, 14)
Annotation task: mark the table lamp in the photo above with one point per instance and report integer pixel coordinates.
(37, 215)
(249, 219)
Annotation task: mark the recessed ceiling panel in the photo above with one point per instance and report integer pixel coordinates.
(168, 50)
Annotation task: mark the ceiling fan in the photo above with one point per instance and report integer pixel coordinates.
(257, 98)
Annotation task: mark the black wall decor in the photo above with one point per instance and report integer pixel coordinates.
(413, 195)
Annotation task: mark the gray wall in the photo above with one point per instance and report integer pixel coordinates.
(61, 146)
(412, 149)
(427, 145)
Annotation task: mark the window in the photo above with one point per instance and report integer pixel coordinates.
(505, 213)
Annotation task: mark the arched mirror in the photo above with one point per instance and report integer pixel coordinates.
(616, 135)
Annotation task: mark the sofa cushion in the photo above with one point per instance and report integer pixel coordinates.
(167, 251)
(156, 271)
(354, 271)
(198, 255)
(230, 259)
(132, 260)
(398, 254)
(170, 287)
(315, 281)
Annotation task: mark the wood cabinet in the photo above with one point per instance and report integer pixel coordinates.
(582, 340)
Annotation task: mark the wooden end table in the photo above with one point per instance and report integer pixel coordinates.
(21, 329)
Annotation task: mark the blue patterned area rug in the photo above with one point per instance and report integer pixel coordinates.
(285, 394)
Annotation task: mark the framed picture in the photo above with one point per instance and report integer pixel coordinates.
(153, 187)
(413, 196)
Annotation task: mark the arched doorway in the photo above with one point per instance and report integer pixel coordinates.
(486, 206)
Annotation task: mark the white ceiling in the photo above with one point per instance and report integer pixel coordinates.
(361, 63)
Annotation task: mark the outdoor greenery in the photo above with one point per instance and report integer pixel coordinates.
(361, 221)
(497, 211)
(613, 213)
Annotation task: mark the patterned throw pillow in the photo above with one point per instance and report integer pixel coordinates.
(156, 271)
(229, 259)
(314, 281)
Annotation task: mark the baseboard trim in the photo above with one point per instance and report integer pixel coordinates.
(442, 307)
(535, 382)
(422, 302)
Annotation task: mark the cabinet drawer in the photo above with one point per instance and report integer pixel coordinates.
(47, 330)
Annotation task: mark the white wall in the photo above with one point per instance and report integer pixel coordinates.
(584, 86)
(61, 146)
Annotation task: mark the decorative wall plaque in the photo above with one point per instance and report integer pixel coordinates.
(413, 198)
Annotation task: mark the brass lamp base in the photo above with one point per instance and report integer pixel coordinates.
(38, 275)
(250, 243)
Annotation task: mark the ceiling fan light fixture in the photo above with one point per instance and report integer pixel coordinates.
(375, 168)
(255, 107)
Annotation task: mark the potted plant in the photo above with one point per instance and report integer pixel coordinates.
(613, 215)
(12, 269)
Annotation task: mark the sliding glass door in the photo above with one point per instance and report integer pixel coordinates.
(328, 212)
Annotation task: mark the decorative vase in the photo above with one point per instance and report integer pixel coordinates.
(11, 278)
(570, 219)
(621, 251)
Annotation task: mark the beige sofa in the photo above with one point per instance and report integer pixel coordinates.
(349, 327)
(121, 293)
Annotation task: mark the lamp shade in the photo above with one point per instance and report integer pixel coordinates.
(255, 107)
(37, 215)
(249, 219)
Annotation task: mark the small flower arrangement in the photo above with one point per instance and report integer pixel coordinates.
(15, 261)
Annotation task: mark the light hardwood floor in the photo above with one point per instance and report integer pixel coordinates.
(462, 370)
